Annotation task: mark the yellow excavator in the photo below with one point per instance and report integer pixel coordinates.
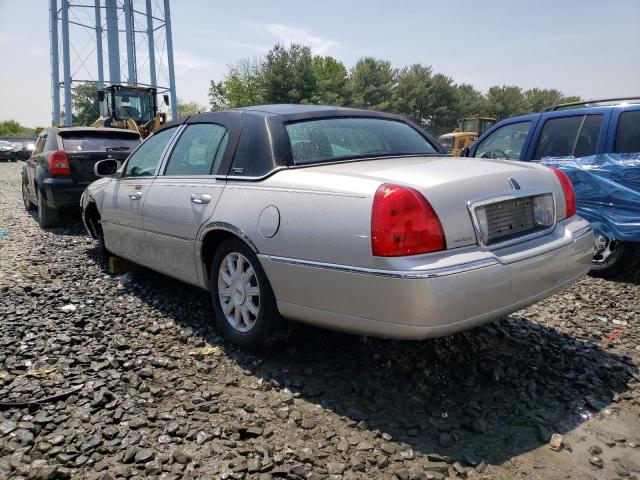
(468, 131)
(131, 107)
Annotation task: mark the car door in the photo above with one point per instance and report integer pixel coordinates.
(31, 163)
(624, 130)
(121, 214)
(575, 133)
(184, 196)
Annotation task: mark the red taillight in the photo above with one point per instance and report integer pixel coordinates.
(569, 194)
(59, 163)
(403, 222)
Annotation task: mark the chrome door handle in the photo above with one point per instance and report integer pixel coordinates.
(200, 198)
(135, 196)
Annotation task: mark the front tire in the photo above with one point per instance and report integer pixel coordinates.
(243, 300)
(47, 217)
(26, 196)
(610, 258)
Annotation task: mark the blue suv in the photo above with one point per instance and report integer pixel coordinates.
(577, 130)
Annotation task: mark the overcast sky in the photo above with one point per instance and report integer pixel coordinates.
(589, 48)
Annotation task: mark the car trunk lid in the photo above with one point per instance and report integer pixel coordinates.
(454, 185)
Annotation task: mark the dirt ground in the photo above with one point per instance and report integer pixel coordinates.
(124, 376)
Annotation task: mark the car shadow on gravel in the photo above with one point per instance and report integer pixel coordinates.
(70, 224)
(486, 394)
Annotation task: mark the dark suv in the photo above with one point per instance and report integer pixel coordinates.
(579, 129)
(61, 166)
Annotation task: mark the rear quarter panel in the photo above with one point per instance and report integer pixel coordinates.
(317, 220)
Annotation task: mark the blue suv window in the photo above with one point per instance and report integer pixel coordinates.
(569, 136)
(505, 142)
(628, 134)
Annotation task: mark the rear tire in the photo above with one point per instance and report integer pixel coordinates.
(47, 217)
(26, 196)
(617, 258)
(243, 300)
(94, 223)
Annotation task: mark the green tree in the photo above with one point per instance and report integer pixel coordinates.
(540, 98)
(84, 100)
(470, 101)
(240, 88)
(288, 75)
(10, 127)
(188, 108)
(411, 92)
(331, 80)
(506, 101)
(442, 102)
(371, 84)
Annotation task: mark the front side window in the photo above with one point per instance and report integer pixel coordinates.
(569, 136)
(196, 150)
(144, 161)
(628, 134)
(505, 142)
(348, 138)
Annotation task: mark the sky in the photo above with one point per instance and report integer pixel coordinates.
(589, 48)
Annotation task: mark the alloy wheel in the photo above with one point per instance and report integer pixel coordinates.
(239, 292)
(604, 248)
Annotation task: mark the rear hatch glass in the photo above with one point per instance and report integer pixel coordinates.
(84, 149)
(94, 142)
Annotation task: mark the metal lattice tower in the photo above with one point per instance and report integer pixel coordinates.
(77, 30)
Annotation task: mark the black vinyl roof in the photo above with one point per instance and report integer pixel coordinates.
(301, 112)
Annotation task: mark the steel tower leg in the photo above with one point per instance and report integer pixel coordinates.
(55, 64)
(112, 41)
(131, 43)
(152, 48)
(99, 52)
(68, 113)
(172, 75)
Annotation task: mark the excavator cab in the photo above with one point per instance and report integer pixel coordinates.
(469, 129)
(476, 124)
(131, 107)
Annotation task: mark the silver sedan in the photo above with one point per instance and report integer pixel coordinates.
(347, 219)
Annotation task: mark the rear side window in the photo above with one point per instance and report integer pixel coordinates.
(344, 138)
(569, 136)
(39, 147)
(628, 134)
(144, 160)
(196, 150)
(504, 142)
(91, 142)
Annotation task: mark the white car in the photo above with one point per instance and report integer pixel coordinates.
(348, 219)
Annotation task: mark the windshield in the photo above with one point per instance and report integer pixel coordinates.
(135, 104)
(92, 142)
(343, 138)
(469, 126)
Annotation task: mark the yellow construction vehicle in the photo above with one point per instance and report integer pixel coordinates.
(468, 131)
(131, 107)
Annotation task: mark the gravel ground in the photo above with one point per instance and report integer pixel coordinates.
(105, 376)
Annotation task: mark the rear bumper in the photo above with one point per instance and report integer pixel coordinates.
(475, 287)
(61, 193)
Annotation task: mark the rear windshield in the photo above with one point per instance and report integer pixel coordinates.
(345, 138)
(98, 142)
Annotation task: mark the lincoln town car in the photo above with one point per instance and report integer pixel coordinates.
(347, 219)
